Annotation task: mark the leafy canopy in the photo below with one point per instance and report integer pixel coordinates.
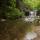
(33, 3)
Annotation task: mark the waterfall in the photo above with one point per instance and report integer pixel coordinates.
(31, 17)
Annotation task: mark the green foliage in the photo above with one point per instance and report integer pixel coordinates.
(38, 7)
(32, 3)
(13, 3)
(12, 11)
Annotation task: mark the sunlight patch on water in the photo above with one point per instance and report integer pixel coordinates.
(30, 36)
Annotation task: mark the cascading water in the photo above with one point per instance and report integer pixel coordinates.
(31, 17)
